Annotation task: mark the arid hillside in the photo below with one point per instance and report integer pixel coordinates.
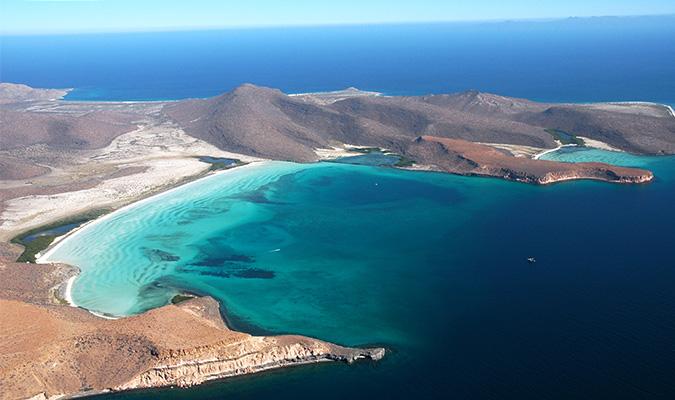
(47, 349)
(267, 123)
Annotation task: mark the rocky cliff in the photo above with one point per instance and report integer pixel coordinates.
(248, 357)
(49, 350)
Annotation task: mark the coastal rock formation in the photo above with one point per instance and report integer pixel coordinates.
(245, 357)
(52, 350)
(467, 158)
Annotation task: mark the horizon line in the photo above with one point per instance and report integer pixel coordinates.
(177, 29)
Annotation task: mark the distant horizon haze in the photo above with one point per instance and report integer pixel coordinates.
(188, 29)
(41, 17)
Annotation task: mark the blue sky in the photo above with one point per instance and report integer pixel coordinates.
(76, 16)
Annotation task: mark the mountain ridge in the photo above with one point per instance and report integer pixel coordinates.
(298, 124)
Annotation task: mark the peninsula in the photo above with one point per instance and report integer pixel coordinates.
(49, 350)
(64, 161)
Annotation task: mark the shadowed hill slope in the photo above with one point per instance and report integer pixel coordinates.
(254, 121)
(635, 132)
(96, 129)
(265, 122)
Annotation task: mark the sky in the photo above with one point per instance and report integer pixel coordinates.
(82, 16)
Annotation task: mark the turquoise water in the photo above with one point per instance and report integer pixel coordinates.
(432, 266)
(284, 232)
(583, 154)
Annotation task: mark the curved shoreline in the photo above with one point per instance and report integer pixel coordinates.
(536, 156)
(44, 258)
(672, 112)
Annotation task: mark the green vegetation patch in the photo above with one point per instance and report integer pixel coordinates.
(565, 138)
(179, 298)
(218, 163)
(404, 162)
(41, 242)
(366, 150)
(32, 248)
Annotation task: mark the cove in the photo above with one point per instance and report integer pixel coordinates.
(431, 265)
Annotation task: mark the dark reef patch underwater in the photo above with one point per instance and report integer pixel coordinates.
(432, 266)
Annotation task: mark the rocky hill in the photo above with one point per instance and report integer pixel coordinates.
(267, 123)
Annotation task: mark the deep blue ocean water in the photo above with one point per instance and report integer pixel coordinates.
(432, 266)
(575, 60)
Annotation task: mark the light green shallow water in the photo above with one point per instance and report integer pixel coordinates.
(281, 245)
(583, 154)
(130, 249)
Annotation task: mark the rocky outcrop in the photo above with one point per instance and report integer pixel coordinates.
(245, 358)
(49, 350)
(467, 158)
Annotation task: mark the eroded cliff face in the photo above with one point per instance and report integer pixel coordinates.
(50, 351)
(254, 355)
(597, 174)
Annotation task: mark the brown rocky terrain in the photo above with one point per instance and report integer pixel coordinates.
(267, 123)
(467, 158)
(59, 159)
(253, 121)
(91, 130)
(631, 129)
(14, 92)
(12, 168)
(50, 350)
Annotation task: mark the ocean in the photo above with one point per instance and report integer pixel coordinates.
(573, 60)
(431, 266)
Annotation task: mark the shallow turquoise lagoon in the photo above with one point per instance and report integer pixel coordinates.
(432, 266)
(315, 249)
(585, 154)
